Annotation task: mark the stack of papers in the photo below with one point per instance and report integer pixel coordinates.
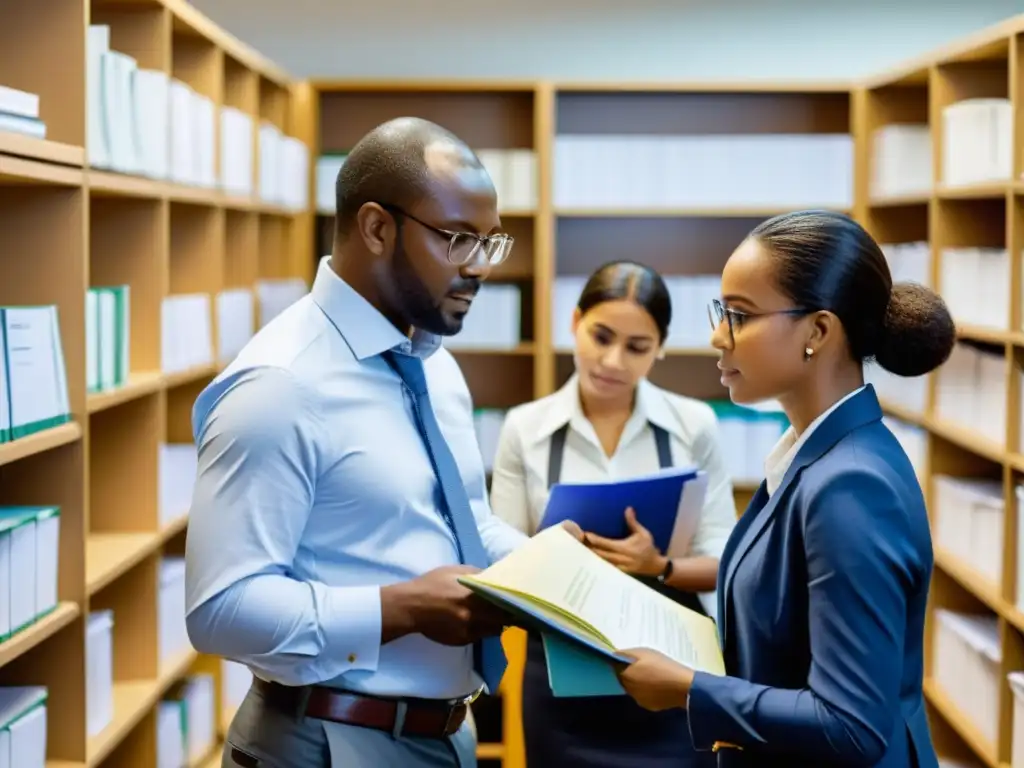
(23, 727)
(33, 383)
(107, 330)
(29, 555)
(589, 612)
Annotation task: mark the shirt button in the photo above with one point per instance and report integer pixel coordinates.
(351, 658)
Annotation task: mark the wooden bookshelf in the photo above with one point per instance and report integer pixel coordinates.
(68, 226)
(80, 226)
(554, 241)
(948, 213)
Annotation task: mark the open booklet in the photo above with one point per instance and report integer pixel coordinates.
(589, 612)
(667, 503)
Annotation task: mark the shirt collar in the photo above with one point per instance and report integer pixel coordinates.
(565, 408)
(366, 331)
(777, 463)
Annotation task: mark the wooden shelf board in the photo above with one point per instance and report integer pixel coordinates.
(214, 760)
(39, 442)
(972, 581)
(19, 170)
(421, 85)
(182, 193)
(114, 184)
(707, 351)
(41, 149)
(987, 191)
(33, 635)
(895, 201)
(959, 722)
(139, 385)
(966, 439)
(213, 756)
(186, 15)
(104, 183)
(132, 700)
(490, 751)
(752, 212)
(173, 528)
(525, 349)
(708, 86)
(984, 334)
(189, 376)
(903, 414)
(108, 556)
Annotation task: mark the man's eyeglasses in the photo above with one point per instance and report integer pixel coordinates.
(464, 247)
(719, 313)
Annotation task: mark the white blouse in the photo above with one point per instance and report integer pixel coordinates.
(782, 455)
(519, 487)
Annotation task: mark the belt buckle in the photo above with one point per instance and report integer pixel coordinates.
(464, 701)
(718, 745)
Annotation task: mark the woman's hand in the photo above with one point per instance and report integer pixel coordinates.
(634, 554)
(654, 681)
(574, 529)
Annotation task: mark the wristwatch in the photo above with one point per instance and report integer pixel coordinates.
(667, 572)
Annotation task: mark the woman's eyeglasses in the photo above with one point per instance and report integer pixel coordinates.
(719, 313)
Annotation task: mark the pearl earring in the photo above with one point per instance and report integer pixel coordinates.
(807, 353)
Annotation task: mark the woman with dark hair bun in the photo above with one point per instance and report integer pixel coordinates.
(824, 582)
(609, 421)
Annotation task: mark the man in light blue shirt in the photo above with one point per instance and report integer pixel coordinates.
(340, 489)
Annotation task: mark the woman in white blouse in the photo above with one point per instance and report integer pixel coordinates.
(608, 421)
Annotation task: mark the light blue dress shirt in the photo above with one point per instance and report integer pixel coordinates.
(314, 489)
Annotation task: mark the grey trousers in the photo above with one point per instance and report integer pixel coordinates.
(261, 737)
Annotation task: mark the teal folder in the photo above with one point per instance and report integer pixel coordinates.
(574, 670)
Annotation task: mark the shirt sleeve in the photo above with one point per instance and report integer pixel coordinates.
(509, 498)
(862, 562)
(718, 517)
(259, 451)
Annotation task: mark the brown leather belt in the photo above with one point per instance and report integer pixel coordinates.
(423, 718)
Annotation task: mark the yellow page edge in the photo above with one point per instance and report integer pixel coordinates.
(584, 625)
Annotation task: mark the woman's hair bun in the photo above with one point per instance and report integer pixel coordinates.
(919, 332)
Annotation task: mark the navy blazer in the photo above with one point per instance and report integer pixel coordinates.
(821, 605)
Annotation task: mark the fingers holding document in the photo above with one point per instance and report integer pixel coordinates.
(437, 606)
(654, 681)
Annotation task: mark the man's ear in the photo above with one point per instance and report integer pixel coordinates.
(377, 228)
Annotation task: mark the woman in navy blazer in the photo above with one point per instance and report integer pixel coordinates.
(824, 582)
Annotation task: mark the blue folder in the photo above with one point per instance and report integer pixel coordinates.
(600, 508)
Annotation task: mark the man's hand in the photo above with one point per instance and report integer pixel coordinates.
(437, 606)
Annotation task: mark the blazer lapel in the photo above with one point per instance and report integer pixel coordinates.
(859, 410)
(757, 502)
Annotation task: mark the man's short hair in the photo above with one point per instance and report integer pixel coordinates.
(388, 166)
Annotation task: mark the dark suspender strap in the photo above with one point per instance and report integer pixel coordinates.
(557, 451)
(664, 447)
(555, 455)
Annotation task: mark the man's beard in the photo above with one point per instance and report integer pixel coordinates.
(420, 309)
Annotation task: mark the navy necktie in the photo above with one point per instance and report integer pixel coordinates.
(489, 656)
